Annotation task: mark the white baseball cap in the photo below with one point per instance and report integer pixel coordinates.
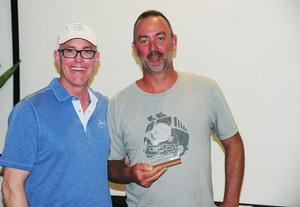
(77, 30)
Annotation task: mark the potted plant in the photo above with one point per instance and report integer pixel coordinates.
(6, 75)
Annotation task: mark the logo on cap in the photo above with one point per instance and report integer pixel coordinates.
(77, 30)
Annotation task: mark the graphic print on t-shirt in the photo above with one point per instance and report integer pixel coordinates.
(165, 139)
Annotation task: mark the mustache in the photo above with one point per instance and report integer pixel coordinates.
(150, 55)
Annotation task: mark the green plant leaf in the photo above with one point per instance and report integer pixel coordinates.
(6, 75)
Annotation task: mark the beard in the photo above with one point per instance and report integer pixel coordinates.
(155, 62)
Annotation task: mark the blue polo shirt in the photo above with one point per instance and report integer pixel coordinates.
(68, 165)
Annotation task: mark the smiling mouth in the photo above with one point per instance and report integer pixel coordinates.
(154, 56)
(78, 69)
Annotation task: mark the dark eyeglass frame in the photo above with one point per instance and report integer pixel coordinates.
(77, 51)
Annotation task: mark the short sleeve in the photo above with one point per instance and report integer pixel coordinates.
(20, 147)
(117, 150)
(224, 125)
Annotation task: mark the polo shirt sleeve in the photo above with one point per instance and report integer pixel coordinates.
(224, 125)
(117, 150)
(20, 147)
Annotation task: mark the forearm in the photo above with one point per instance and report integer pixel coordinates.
(234, 171)
(14, 195)
(118, 172)
(13, 191)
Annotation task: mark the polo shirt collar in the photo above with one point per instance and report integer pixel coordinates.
(62, 94)
(59, 91)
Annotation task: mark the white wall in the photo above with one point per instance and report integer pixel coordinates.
(6, 92)
(6, 61)
(251, 48)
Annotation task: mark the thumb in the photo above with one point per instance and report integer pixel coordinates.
(146, 167)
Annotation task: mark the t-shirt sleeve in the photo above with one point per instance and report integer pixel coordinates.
(224, 125)
(117, 150)
(20, 147)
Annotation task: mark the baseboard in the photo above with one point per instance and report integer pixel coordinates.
(120, 201)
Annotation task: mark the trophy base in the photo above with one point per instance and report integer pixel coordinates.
(169, 163)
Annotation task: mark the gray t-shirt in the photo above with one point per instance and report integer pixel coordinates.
(181, 119)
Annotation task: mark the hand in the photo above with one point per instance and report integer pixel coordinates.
(145, 174)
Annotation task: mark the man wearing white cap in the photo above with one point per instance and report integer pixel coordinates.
(57, 144)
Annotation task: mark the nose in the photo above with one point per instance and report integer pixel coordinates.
(152, 45)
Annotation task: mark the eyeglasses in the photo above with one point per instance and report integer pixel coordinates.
(71, 53)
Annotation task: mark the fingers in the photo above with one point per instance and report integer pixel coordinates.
(145, 174)
(154, 175)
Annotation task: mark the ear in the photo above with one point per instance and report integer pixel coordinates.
(97, 57)
(56, 57)
(134, 49)
(174, 42)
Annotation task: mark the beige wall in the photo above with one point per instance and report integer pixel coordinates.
(251, 48)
